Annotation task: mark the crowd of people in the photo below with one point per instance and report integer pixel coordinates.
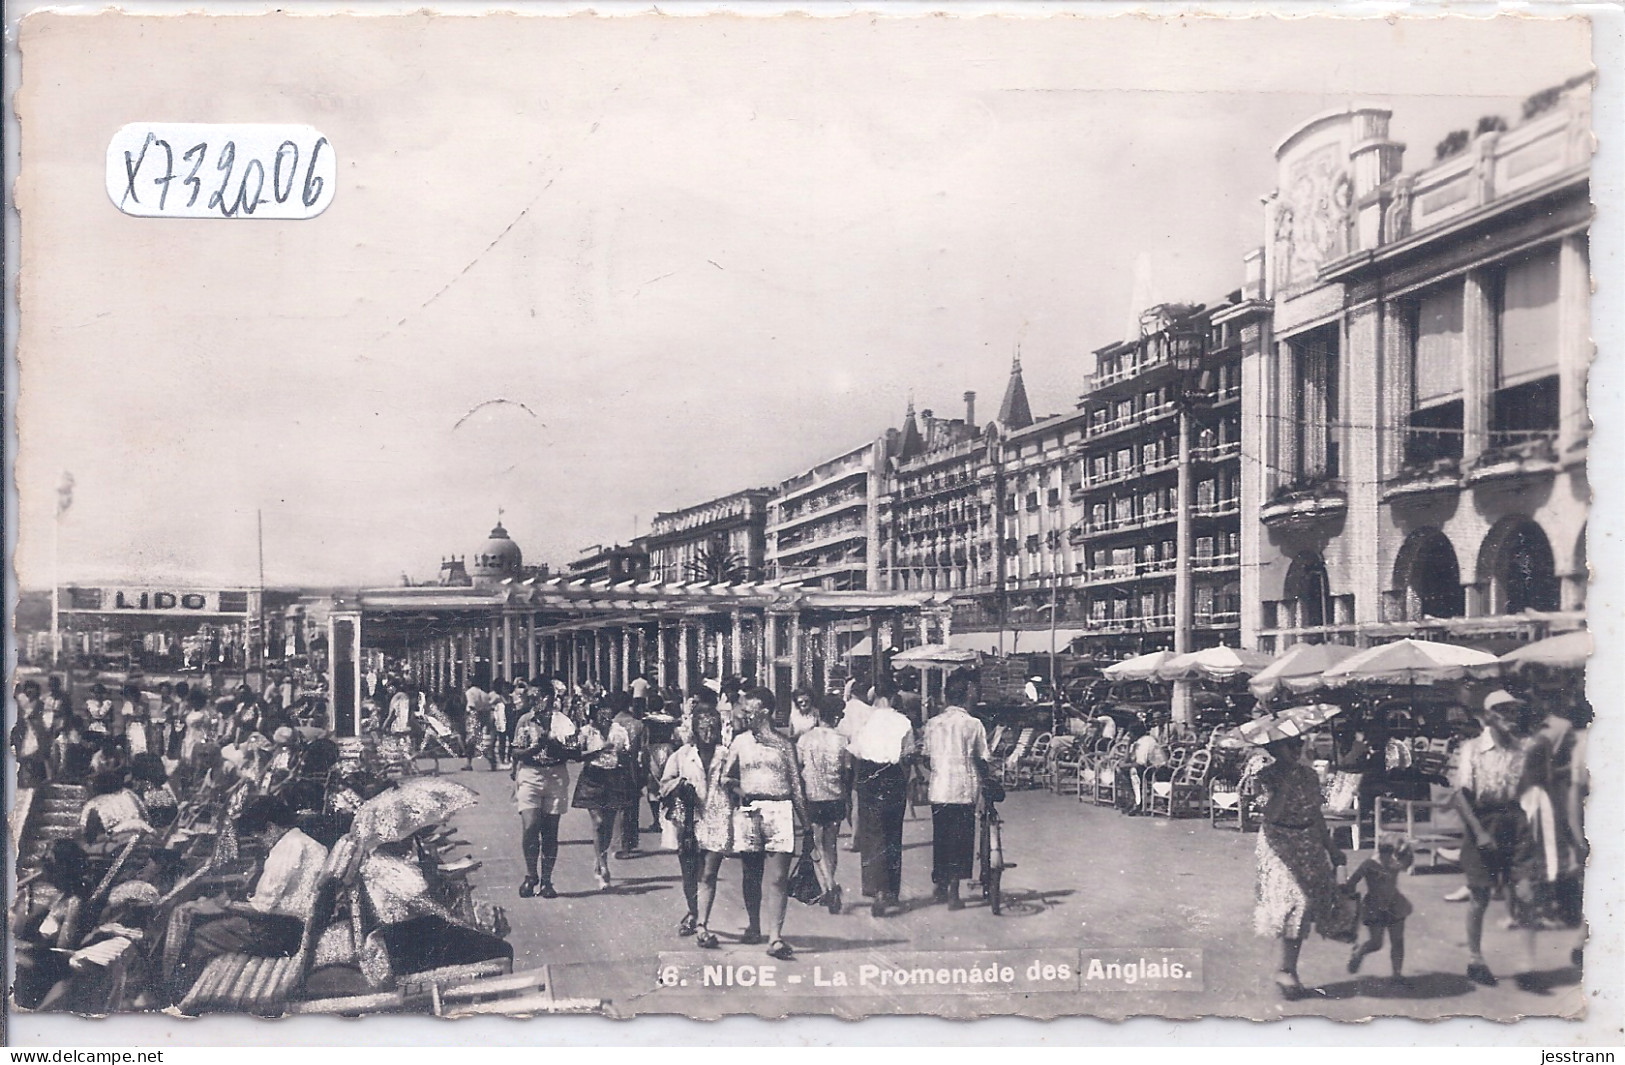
(724, 775)
(1518, 787)
(213, 824)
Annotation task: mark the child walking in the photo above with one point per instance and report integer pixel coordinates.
(1384, 907)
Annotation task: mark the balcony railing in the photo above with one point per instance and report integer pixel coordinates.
(1217, 452)
(1209, 563)
(1219, 508)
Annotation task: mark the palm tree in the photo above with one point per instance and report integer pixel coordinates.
(717, 565)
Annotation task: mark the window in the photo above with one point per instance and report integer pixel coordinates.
(1525, 405)
(1437, 354)
(1316, 407)
(1054, 497)
(1032, 500)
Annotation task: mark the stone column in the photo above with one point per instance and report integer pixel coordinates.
(1478, 365)
(530, 645)
(495, 650)
(795, 650)
(626, 670)
(736, 643)
(685, 644)
(1574, 351)
(507, 646)
(662, 666)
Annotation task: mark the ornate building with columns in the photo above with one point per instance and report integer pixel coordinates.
(1416, 349)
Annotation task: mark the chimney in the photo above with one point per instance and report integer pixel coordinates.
(970, 408)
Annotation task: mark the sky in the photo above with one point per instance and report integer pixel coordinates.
(585, 270)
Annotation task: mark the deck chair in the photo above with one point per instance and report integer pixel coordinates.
(995, 743)
(1231, 797)
(1067, 756)
(1032, 770)
(247, 983)
(1184, 792)
(1341, 806)
(1103, 780)
(1007, 768)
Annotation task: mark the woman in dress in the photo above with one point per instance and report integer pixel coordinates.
(480, 734)
(762, 765)
(700, 806)
(1296, 885)
(543, 744)
(607, 783)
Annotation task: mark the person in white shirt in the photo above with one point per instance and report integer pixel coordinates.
(956, 752)
(826, 770)
(853, 715)
(881, 750)
(271, 922)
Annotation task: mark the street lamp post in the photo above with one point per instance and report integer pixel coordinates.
(1186, 339)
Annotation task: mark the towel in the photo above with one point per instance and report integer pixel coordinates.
(1537, 807)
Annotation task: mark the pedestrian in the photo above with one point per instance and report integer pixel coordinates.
(1493, 772)
(1296, 885)
(503, 719)
(700, 807)
(761, 764)
(826, 770)
(544, 743)
(956, 753)
(480, 734)
(854, 713)
(881, 752)
(99, 716)
(803, 715)
(629, 716)
(1384, 908)
(606, 784)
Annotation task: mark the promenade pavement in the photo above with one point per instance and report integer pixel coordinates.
(1086, 877)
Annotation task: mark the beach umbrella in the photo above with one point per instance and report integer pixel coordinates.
(408, 808)
(936, 654)
(1295, 721)
(1298, 670)
(1567, 651)
(1407, 662)
(1143, 667)
(1214, 663)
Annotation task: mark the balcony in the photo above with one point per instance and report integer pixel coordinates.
(1218, 619)
(1306, 502)
(1219, 508)
(1215, 563)
(1135, 521)
(1421, 479)
(1139, 417)
(1515, 457)
(1217, 452)
(1147, 623)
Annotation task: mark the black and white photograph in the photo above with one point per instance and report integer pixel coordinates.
(639, 514)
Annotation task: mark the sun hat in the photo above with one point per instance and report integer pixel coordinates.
(1500, 698)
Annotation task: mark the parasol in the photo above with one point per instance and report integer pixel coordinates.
(407, 808)
(1143, 667)
(936, 654)
(1288, 723)
(1568, 651)
(1217, 664)
(1298, 670)
(1407, 662)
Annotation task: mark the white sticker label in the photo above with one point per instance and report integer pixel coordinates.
(220, 170)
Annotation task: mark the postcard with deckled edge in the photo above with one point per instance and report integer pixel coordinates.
(526, 514)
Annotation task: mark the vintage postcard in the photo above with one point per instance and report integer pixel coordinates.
(707, 514)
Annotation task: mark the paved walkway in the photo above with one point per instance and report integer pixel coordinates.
(1087, 877)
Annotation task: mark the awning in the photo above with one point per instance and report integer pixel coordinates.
(862, 649)
(1027, 641)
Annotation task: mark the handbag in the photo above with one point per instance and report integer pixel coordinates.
(804, 884)
(1339, 921)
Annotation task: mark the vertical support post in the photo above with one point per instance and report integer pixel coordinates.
(530, 645)
(795, 649)
(685, 640)
(1183, 702)
(736, 642)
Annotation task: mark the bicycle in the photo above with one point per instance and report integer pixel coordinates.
(990, 863)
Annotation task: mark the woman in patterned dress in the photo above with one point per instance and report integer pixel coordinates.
(1296, 885)
(701, 806)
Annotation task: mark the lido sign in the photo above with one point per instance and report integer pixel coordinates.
(154, 601)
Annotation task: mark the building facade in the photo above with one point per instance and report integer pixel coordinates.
(717, 541)
(615, 563)
(935, 525)
(823, 525)
(1414, 382)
